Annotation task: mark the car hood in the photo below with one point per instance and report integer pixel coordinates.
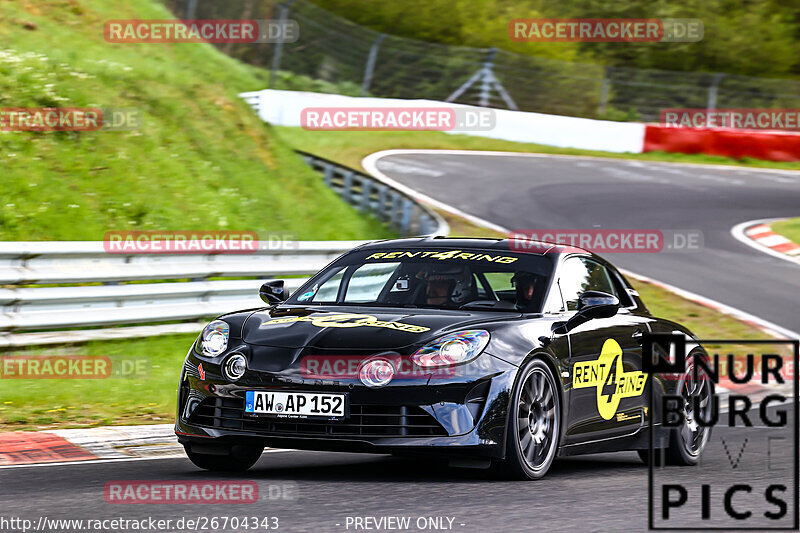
(358, 328)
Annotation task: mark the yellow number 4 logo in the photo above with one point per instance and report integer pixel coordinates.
(607, 375)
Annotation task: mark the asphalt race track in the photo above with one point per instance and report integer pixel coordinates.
(583, 193)
(592, 493)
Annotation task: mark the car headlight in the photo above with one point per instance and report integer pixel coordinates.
(452, 349)
(214, 339)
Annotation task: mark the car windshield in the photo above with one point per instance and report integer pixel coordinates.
(432, 278)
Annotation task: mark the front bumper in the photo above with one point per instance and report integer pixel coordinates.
(460, 414)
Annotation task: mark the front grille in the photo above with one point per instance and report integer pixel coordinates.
(364, 421)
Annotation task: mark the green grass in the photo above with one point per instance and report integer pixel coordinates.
(703, 321)
(788, 228)
(349, 147)
(202, 160)
(146, 396)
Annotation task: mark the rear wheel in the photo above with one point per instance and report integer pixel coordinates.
(687, 441)
(534, 423)
(239, 458)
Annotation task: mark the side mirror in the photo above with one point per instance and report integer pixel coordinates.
(596, 304)
(272, 292)
(591, 305)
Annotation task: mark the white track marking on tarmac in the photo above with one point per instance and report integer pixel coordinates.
(122, 460)
(370, 165)
(683, 172)
(621, 173)
(719, 179)
(649, 164)
(776, 179)
(403, 168)
(738, 233)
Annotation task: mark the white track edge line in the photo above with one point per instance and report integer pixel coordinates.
(408, 151)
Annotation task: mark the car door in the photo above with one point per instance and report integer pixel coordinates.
(608, 388)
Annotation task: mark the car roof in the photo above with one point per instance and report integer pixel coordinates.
(515, 244)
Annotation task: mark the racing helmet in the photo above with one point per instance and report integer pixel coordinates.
(460, 289)
(520, 277)
(522, 281)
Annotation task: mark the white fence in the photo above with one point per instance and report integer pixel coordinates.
(283, 108)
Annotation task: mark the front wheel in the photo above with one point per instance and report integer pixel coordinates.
(534, 423)
(239, 458)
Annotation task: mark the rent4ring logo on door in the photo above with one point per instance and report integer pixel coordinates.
(607, 375)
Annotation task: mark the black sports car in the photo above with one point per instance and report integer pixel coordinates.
(491, 352)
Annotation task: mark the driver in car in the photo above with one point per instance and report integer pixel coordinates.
(447, 285)
(525, 284)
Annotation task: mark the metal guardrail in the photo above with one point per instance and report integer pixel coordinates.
(27, 305)
(400, 211)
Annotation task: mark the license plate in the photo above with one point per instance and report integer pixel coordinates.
(295, 404)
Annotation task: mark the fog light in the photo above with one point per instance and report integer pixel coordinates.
(235, 367)
(376, 373)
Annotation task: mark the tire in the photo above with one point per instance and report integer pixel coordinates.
(240, 458)
(687, 442)
(534, 423)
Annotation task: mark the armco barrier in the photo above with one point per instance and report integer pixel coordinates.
(27, 306)
(400, 211)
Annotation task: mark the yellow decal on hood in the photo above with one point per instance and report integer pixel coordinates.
(442, 255)
(348, 320)
(607, 375)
